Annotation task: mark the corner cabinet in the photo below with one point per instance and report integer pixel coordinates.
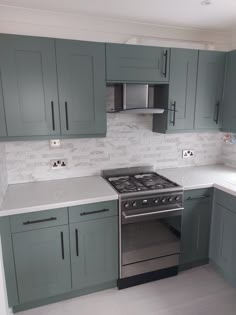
(196, 228)
(35, 71)
(140, 64)
(182, 91)
(81, 86)
(210, 85)
(229, 113)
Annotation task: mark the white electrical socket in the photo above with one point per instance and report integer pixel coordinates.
(188, 154)
(56, 143)
(58, 164)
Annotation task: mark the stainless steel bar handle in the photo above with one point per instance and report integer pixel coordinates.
(217, 112)
(40, 221)
(66, 112)
(165, 63)
(139, 215)
(198, 197)
(93, 212)
(53, 116)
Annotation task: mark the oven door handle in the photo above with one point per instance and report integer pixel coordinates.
(154, 214)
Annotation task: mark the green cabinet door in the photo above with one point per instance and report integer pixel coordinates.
(132, 63)
(223, 238)
(210, 83)
(29, 83)
(81, 81)
(3, 130)
(182, 88)
(229, 108)
(196, 232)
(42, 262)
(94, 252)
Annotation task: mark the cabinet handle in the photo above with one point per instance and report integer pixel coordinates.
(93, 212)
(217, 112)
(53, 116)
(66, 111)
(77, 242)
(39, 221)
(62, 246)
(165, 63)
(173, 109)
(199, 197)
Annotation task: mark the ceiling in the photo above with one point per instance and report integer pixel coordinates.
(220, 15)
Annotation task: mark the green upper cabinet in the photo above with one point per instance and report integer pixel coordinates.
(81, 82)
(182, 90)
(132, 63)
(42, 262)
(94, 252)
(210, 84)
(229, 109)
(29, 85)
(3, 130)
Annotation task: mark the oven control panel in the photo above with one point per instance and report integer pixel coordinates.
(152, 201)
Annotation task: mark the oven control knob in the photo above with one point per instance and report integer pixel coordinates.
(170, 199)
(145, 202)
(178, 198)
(163, 200)
(156, 201)
(134, 204)
(126, 205)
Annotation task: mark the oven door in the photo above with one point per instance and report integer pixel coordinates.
(150, 241)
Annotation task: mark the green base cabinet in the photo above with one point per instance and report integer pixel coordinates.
(196, 227)
(223, 235)
(42, 260)
(210, 85)
(94, 252)
(182, 90)
(140, 64)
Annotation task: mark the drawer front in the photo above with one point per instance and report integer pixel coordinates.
(93, 211)
(198, 195)
(38, 220)
(226, 200)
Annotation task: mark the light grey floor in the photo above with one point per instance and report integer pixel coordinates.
(200, 291)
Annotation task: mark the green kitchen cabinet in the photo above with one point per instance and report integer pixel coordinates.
(42, 263)
(182, 91)
(210, 85)
(229, 109)
(3, 129)
(81, 83)
(29, 86)
(94, 252)
(196, 227)
(136, 63)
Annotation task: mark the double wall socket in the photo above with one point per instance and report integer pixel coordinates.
(58, 164)
(188, 154)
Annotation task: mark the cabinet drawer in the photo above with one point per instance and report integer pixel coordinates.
(226, 200)
(198, 195)
(38, 220)
(93, 211)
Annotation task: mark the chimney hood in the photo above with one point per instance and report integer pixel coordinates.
(139, 99)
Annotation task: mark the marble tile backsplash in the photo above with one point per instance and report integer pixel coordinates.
(130, 141)
(229, 154)
(3, 172)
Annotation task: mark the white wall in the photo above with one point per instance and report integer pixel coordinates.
(75, 26)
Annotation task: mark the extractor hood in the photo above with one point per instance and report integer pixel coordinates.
(137, 99)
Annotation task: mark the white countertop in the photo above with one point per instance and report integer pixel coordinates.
(218, 176)
(38, 196)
